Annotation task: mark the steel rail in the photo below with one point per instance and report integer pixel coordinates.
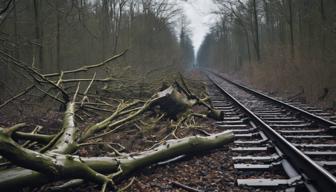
(309, 115)
(319, 177)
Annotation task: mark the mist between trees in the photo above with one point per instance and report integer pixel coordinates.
(55, 35)
(280, 45)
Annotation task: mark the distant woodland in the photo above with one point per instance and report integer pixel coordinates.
(284, 46)
(56, 35)
(109, 95)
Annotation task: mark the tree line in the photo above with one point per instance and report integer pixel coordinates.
(56, 35)
(277, 44)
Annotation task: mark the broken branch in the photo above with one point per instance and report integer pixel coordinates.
(86, 68)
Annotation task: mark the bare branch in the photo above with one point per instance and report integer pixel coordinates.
(86, 68)
(17, 96)
(6, 8)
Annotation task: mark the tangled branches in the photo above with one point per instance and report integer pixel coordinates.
(46, 158)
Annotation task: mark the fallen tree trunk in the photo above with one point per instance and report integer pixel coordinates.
(92, 169)
(56, 161)
(173, 102)
(176, 100)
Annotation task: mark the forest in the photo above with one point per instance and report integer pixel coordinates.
(283, 46)
(60, 35)
(113, 95)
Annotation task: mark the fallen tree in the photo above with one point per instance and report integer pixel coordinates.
(43, 168)
(33, 159)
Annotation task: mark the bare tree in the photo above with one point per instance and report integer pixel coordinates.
(38, 47)
(256, 29)
(290, 9)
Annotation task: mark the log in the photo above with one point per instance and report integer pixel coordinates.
(65, 141)
(212, 113)
(177, 100)
(68, 167)
(173, 102)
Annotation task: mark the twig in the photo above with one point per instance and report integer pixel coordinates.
(67, 185)
(108, 124)
(106, 133)
(127, 186)
(76, 93)
(171, 160)
(185, 187)
(201, 130)
(85, 98)
(138, 127)
(36, 129)
(182, 120)
(60, 78)
(104, 186)
(50, 95)
(96, 108)
(33, 72)
(119, 172)
(14, 128)
(17, 96)
(185, 85)
(78, 80)
(88, 88)
(52, 142)
(96, 104)
(114, 150)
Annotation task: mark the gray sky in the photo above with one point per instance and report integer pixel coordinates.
(199, 14)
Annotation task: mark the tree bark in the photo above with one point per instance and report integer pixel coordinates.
(105, 27)
(323, 16)
(55, 167)
(248, 45)
(290, 6)
(37, 60)
(58, 38)
(256, 30)
(17, 51)
(118, 25)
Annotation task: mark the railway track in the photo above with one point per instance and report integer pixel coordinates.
(278, 146)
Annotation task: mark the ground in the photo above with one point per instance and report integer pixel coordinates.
(210, 171)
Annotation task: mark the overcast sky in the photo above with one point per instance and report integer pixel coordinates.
(199, 14)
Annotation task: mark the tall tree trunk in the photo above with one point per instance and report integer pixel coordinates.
(58, 39)
(38, 57)
(130, 26)
(290, 6)
(117, 31)
(17, 53)
(105, 26)
(268, 22)
(323, 33)
(322, 10)
(256, 29)
(248, 45)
